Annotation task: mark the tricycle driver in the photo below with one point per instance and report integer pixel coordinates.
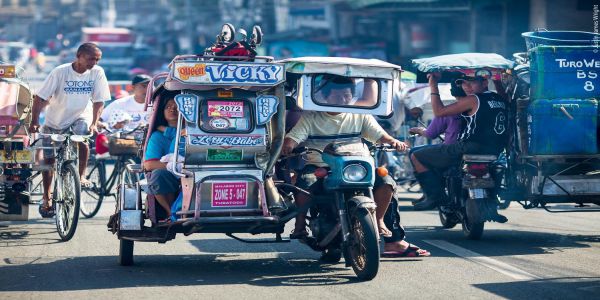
(484, 132)
(318, 129)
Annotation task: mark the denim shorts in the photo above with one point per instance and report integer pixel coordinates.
(80, 127)
(162, 182)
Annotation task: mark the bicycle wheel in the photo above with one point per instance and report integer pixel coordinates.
(67, 205)
(92, 196)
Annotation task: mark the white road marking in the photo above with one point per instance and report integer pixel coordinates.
(491, 263)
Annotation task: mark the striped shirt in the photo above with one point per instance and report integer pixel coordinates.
(318, 129)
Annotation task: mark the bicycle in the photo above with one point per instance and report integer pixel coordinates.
(66, 197)
(100, 186)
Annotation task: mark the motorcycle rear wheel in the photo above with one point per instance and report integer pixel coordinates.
(472, 230)
(363, 247)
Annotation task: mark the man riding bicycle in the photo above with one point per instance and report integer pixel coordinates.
(73, 95)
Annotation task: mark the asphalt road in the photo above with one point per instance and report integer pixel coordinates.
(536, 255)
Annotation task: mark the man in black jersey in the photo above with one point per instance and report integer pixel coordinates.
(484, 132)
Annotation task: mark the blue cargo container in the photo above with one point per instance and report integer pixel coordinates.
(565, 72)
(562, 126)
(559, 38)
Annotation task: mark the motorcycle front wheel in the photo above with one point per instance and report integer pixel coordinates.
(363, 248)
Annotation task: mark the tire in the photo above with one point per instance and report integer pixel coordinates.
(124, 179)
(67, 208)
(125, 252)
(363, 247)
(92, 197)
(448, 221)
(472, 230)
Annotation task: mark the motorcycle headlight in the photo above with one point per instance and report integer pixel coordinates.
(354, 173)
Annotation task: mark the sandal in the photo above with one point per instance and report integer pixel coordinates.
(406, 253)
(85, 183)
(166, 221)
(385, 234)
(46, 212)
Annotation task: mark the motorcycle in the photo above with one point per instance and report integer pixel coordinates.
(342, 210)
(472, 193)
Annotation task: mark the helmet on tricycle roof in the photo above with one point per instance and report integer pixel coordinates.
(226, 45)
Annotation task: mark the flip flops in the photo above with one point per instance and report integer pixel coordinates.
(411, 251)
(384, 234)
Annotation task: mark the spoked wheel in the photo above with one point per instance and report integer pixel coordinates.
(92, 196)
(125, 252)
(125, 177)
(67, 206)
(362, 248)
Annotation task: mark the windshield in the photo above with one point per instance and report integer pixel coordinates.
(333, 90)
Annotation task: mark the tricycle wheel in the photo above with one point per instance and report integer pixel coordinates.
(125, 252)
(362, 246)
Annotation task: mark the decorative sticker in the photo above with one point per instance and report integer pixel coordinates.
(229, 194)
(7, 71)
(224, 155)
(227, 140)
(229, 73)
(219, 123)
(227, 109)
(224, 94)
(188, 106)
(266, 106)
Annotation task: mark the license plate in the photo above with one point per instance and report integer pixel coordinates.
(15, 157)
(229, 194)
(226, 109)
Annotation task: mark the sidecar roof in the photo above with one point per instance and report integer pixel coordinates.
(201, 72)
(462, 61)
(343, 66)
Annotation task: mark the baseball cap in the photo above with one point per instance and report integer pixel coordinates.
(464, 77)
(141, 78)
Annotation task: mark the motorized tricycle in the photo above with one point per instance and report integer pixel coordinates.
(554, 155)
(474, 185)
(16, 159)
(231, 109)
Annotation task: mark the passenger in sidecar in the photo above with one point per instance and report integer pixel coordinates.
(162, 184)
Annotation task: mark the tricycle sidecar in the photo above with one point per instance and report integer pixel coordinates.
(16, 159)
(229, 134)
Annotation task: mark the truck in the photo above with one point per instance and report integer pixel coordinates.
(117, 49)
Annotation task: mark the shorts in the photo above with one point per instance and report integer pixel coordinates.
(442, 156)
(79, 126)
(162, 182)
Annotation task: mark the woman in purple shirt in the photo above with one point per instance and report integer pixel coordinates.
(450, 126)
